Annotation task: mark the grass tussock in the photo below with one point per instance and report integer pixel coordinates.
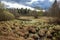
(27, 30)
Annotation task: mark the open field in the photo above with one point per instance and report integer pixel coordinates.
(36, 29)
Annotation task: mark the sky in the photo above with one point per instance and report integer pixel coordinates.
(30, 4)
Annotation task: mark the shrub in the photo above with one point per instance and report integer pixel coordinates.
(5, 15)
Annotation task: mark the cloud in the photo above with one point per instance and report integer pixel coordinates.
(16, 5)
(31, 1)
(42, 0)
(34, 1)
(51, 0)
(17, 1)
(27, 3)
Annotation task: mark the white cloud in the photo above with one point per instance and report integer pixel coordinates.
(42, 0)
(16, 5)
(37, 0)
(31, 1)
(34, 1)
(51, 0)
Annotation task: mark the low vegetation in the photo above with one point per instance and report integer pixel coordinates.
(29, 30)
(4, 16)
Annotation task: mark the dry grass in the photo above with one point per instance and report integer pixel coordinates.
(29, 30)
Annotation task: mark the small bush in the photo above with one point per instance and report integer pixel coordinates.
(5, 15)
